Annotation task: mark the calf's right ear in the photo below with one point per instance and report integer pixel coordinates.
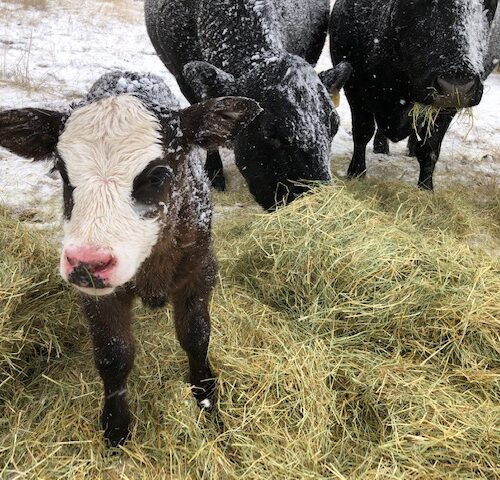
(211, 123)
(30, 132)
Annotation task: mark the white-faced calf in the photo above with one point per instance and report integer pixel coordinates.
(137, 215)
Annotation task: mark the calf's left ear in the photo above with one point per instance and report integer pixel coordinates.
(211, 123)
(30, 132)
(335, 78)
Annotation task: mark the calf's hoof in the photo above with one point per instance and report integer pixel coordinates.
(116, 428)
(205, 395)
(219, 182)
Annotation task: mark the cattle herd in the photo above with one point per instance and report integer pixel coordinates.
(137, 212)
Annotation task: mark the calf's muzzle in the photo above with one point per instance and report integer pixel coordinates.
(88, 266)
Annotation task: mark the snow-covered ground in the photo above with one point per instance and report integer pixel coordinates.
(51, 51)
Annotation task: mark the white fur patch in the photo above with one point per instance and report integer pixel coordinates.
(105, 145)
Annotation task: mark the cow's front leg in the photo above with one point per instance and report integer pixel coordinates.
(428, 150)
(363, 128)
(192, 325)
(109, 320)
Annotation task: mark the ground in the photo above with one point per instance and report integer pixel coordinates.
(54, 50)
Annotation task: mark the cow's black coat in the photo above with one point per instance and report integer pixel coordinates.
(406, 51)
(262, 49)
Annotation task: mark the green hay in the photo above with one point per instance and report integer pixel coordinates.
(349, 342)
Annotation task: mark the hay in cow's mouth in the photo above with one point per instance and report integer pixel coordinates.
(424, 119)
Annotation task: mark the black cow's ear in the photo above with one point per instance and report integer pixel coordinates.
(211, 123)
(335, 78)
(30, 132)
(208, 81)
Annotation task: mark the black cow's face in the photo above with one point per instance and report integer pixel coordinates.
(442, 45)
(289, 143)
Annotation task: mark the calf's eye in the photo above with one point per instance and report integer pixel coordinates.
(158, 176)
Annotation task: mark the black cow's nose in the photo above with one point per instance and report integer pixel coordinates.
(455, 87)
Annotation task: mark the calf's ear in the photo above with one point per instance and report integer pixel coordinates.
(30, 132)
(335, 78)
(208, 81)
(211, 123)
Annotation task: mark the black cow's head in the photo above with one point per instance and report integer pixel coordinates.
(442, 46)
(290, 141)
(128, 166)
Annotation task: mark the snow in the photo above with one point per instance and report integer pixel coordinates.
(51, 57)
(475, 32)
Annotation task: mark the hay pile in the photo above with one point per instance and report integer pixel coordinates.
(350, 343)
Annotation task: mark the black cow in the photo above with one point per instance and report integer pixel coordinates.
(264, 50)
(407, 51)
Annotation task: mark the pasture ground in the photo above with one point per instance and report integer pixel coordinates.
(355, 333)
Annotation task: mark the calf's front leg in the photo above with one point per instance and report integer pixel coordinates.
(192, 325)
(110, 321)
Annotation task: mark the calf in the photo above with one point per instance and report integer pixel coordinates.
(137, 215)
(262, 49)
(407, 51)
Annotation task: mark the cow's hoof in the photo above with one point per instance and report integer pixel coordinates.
(382, 149)
(426, 185)
(158, 301)
(219, 182)
(351, 174)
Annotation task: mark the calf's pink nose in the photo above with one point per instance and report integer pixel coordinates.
(95, 261)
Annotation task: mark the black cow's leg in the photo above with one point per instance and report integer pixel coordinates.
(412, 145)
(192, 325)
(109, 320)
(215, 171)
(428, 151)
(380, 143)
(363, 128)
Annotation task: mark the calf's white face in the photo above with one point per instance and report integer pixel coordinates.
(104, 147)
(117, 160)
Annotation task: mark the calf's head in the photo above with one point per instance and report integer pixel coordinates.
(290, 141)
(121, 165)
(442, 46)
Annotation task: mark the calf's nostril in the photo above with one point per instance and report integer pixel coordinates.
(71, 261)
(102, 265)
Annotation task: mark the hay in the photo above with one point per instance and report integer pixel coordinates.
(424, 119)
(349, 342)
